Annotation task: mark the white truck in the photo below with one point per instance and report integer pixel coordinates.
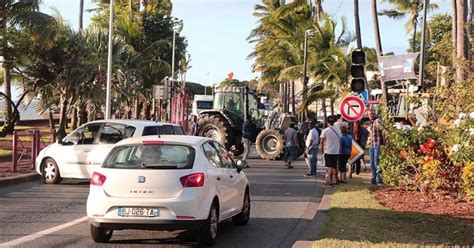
(201, 103)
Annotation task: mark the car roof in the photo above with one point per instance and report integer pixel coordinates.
(177, 139)
(134, 122)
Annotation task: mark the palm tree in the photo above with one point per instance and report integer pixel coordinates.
(461, 36)
(378, 46)
(403, 8)
(26, 15)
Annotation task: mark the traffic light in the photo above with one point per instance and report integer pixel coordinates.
(358, 80)
(358, 85)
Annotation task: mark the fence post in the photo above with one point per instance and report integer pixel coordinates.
(14, 157)
(34, 147)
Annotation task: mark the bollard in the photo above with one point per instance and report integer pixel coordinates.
(14, 158)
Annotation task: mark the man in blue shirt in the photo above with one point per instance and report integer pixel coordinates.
(344, 152)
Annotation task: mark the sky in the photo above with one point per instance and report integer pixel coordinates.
(216, 31)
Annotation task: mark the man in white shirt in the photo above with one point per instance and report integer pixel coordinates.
(312, 142)
(330, 144)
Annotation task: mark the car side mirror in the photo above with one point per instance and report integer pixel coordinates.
(241, 165)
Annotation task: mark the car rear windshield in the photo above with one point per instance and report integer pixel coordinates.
(162, 156)
(155, 130)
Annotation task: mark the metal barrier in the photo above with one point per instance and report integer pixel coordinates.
(26, 150)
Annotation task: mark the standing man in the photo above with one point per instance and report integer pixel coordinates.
(305, 127)
(246, 137)
(291, 145)
(312, 142)
(330, 144)
(193, 130)
(376, 140)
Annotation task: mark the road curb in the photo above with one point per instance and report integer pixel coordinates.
(315, 226)
(8, 181)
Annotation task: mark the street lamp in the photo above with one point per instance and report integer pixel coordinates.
(307, 33)
(108, 107)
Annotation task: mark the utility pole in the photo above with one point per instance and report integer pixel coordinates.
(108, 102)
(423, 35)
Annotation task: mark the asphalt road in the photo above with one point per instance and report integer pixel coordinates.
(283, 203)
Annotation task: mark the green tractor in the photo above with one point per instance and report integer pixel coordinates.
(224, 122)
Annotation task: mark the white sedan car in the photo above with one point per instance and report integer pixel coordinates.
(167, 183)
(85, 148)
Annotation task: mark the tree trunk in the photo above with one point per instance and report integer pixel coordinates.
(62, 118)
(51, 120)
(325, 112)
(413, 45)
(454, 34)
(7, 110)
(469, 30)
(378, 47)
(74, 118)
(378, 42)
(293, 98)
(461, 48)
(130, 9)
(81, 13)
(332, 106)
(357, 24)
(466, 30)
(319, 9)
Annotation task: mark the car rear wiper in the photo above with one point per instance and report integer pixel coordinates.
(158, 166)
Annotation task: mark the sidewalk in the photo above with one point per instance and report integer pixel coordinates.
(23, 174)
(314, 228)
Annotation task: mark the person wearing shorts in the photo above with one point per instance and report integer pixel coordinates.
(291, 145)
(344, 153)
(329, 146)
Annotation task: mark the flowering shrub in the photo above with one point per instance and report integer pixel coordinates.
(437, 157)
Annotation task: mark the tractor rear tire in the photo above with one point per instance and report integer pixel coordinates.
(270, 144)
(217, 128)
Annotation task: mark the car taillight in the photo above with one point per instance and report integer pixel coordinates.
(97, 179)
(193, 180)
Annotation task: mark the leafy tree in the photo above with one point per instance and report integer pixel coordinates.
(23, 15)
(412, 9)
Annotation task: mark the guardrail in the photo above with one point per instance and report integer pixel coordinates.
(26, 146)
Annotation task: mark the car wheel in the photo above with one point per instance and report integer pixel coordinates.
(50, 172)
(208, 232)
(100, 235)
(243, 217)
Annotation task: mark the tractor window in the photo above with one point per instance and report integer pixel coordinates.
(232, 102)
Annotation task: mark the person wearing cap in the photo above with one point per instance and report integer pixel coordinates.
(329, 146)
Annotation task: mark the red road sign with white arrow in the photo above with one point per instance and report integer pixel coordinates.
(352, 108)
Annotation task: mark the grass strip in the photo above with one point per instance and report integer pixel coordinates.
(356, 219)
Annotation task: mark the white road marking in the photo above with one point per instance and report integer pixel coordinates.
(22, 240)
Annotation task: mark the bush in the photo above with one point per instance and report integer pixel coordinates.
(437, 157)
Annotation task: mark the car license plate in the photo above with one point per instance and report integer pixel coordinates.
(138, 212)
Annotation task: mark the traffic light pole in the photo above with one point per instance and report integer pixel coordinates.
(108, 101)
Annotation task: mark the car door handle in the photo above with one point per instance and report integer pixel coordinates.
(231, 176)
(218, 178)
(87, 150)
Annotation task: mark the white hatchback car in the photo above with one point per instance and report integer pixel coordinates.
(85, 148)
(167, 183)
